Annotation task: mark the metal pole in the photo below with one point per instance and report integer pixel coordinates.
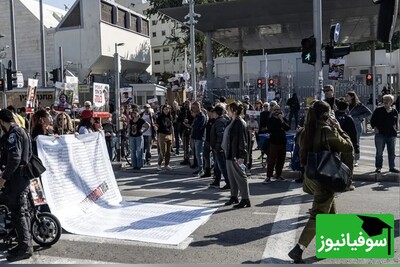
(42, 46)
(61, 64)
(373, 71)
(241, 73)
(210, 65)
(192, 48)
(186, 68)
(317, 21)
(13, 39)
(117, 99)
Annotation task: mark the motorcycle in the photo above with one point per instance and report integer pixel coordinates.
(45, 227)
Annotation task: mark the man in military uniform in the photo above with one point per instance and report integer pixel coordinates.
(15, 184)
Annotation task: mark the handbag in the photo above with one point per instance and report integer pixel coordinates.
(34, 168)
(33, 164)
(327, 169)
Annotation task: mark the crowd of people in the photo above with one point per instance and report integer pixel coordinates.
(216, 141)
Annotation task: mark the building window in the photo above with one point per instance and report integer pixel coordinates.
(172, 31)
(154, 34)
(121, 18)
(166, 61)
(156, 51)
(163, 21)
(157, 62)
(134, 23)
(106, 12)
(166, 49)
(154, 22)
(177, 60)
(145, 27)
(163, 33)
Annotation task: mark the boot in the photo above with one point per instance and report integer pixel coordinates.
(207, 173)
(243, 204)
(232, 200)
(296, 254)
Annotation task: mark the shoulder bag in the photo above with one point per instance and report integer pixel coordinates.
(327, 169)
(34, 166)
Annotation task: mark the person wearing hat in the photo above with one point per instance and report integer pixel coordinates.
(15, 184)
(86, 123)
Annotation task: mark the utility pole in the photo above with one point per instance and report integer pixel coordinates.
(191, 22)
(317, 23)
(13, 39)
(43, 47)
(117, 69)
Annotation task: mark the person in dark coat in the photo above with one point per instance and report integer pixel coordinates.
(347, 124)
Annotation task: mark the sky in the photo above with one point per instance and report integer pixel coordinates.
(59, 3)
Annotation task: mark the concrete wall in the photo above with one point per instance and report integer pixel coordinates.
(27, 29)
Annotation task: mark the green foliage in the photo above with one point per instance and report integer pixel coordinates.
(180, 38)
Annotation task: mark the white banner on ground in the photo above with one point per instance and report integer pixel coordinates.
(82, 192)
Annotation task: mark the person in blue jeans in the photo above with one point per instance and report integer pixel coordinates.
(384, 121)
(198, 130)
(137, 126)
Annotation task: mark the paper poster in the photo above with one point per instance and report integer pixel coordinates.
(252, 112)
(100, 95)
(31, 95)
(37, 192)
(81, 191)
(72, 84)
(336, 69)
(63, 97)
(126, 96)
(152, 100)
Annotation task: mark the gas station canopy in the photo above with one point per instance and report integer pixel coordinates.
(268, 24)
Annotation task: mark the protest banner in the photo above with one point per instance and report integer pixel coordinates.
(81, 191)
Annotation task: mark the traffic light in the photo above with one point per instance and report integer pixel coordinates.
(11, 77)
(2, 85)
(336, 52)
(308, 50)
(271, 83)
(56, 75)
(260, 83)
(369, 79)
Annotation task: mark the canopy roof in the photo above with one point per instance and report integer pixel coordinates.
(268, 24)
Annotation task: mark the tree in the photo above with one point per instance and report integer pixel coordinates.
(181, 40)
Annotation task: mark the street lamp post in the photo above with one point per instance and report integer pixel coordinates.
(117, 68)
(191, 22)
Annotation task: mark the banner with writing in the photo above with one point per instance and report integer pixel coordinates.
(100, 95)
(81, 191)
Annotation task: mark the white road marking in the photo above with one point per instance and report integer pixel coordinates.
(283, 233)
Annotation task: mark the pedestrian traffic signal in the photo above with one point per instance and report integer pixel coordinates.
(336, 52)
(308, 50)
(260, 83)
(271, 83)
(56, 75)
(11, 77)
(369, 78)
(2, 85)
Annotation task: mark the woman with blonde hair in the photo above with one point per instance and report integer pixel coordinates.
(63, 124)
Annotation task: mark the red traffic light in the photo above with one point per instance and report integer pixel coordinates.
(369, 78)
(271, 82)
(260, 83)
